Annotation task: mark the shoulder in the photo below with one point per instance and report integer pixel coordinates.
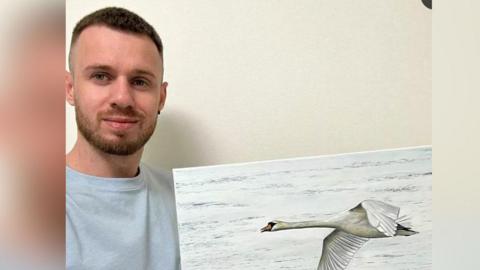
(157, 176)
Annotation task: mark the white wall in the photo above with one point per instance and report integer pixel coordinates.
(255, 80)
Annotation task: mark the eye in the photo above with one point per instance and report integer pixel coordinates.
(100, 76)
(140, 82)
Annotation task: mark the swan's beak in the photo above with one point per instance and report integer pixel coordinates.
(267, 228)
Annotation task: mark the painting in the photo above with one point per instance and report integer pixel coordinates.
(367, 210)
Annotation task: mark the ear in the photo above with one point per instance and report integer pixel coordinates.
(163, 95)
(69, 92)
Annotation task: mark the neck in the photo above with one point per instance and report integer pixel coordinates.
(85, 158)
(307, 224)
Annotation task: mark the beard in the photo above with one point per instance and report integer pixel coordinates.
(122, 147)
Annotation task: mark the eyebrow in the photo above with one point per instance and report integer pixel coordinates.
(144, 72)
(98, 67)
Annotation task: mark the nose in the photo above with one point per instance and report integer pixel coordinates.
(122, 95)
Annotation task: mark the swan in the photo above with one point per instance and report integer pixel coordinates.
(353, 228)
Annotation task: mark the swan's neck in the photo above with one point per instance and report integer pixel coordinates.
(306, 224)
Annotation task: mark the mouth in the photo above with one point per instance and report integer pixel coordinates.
(120, 123)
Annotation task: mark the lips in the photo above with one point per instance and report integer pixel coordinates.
(120, 122)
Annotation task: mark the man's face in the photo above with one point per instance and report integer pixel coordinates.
(117, 88)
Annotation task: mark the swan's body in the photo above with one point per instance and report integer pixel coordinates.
(353, 228)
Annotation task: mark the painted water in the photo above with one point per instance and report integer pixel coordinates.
(222, 208)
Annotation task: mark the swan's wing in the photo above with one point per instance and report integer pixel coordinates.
(382, 216)
(338, 250)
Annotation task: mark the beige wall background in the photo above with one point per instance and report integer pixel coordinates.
(456, 130)
(259, 80)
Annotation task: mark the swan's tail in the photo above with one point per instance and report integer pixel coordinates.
(405, 231)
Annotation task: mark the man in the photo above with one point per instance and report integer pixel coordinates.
(120, 213)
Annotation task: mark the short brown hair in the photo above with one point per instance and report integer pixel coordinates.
(119, 19)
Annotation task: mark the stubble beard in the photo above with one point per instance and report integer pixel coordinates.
(122, 147)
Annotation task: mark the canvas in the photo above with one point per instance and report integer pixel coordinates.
(221, 209)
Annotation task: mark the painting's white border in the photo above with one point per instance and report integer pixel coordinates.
(297, 158)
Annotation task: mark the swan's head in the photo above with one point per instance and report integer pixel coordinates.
(272, 226)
